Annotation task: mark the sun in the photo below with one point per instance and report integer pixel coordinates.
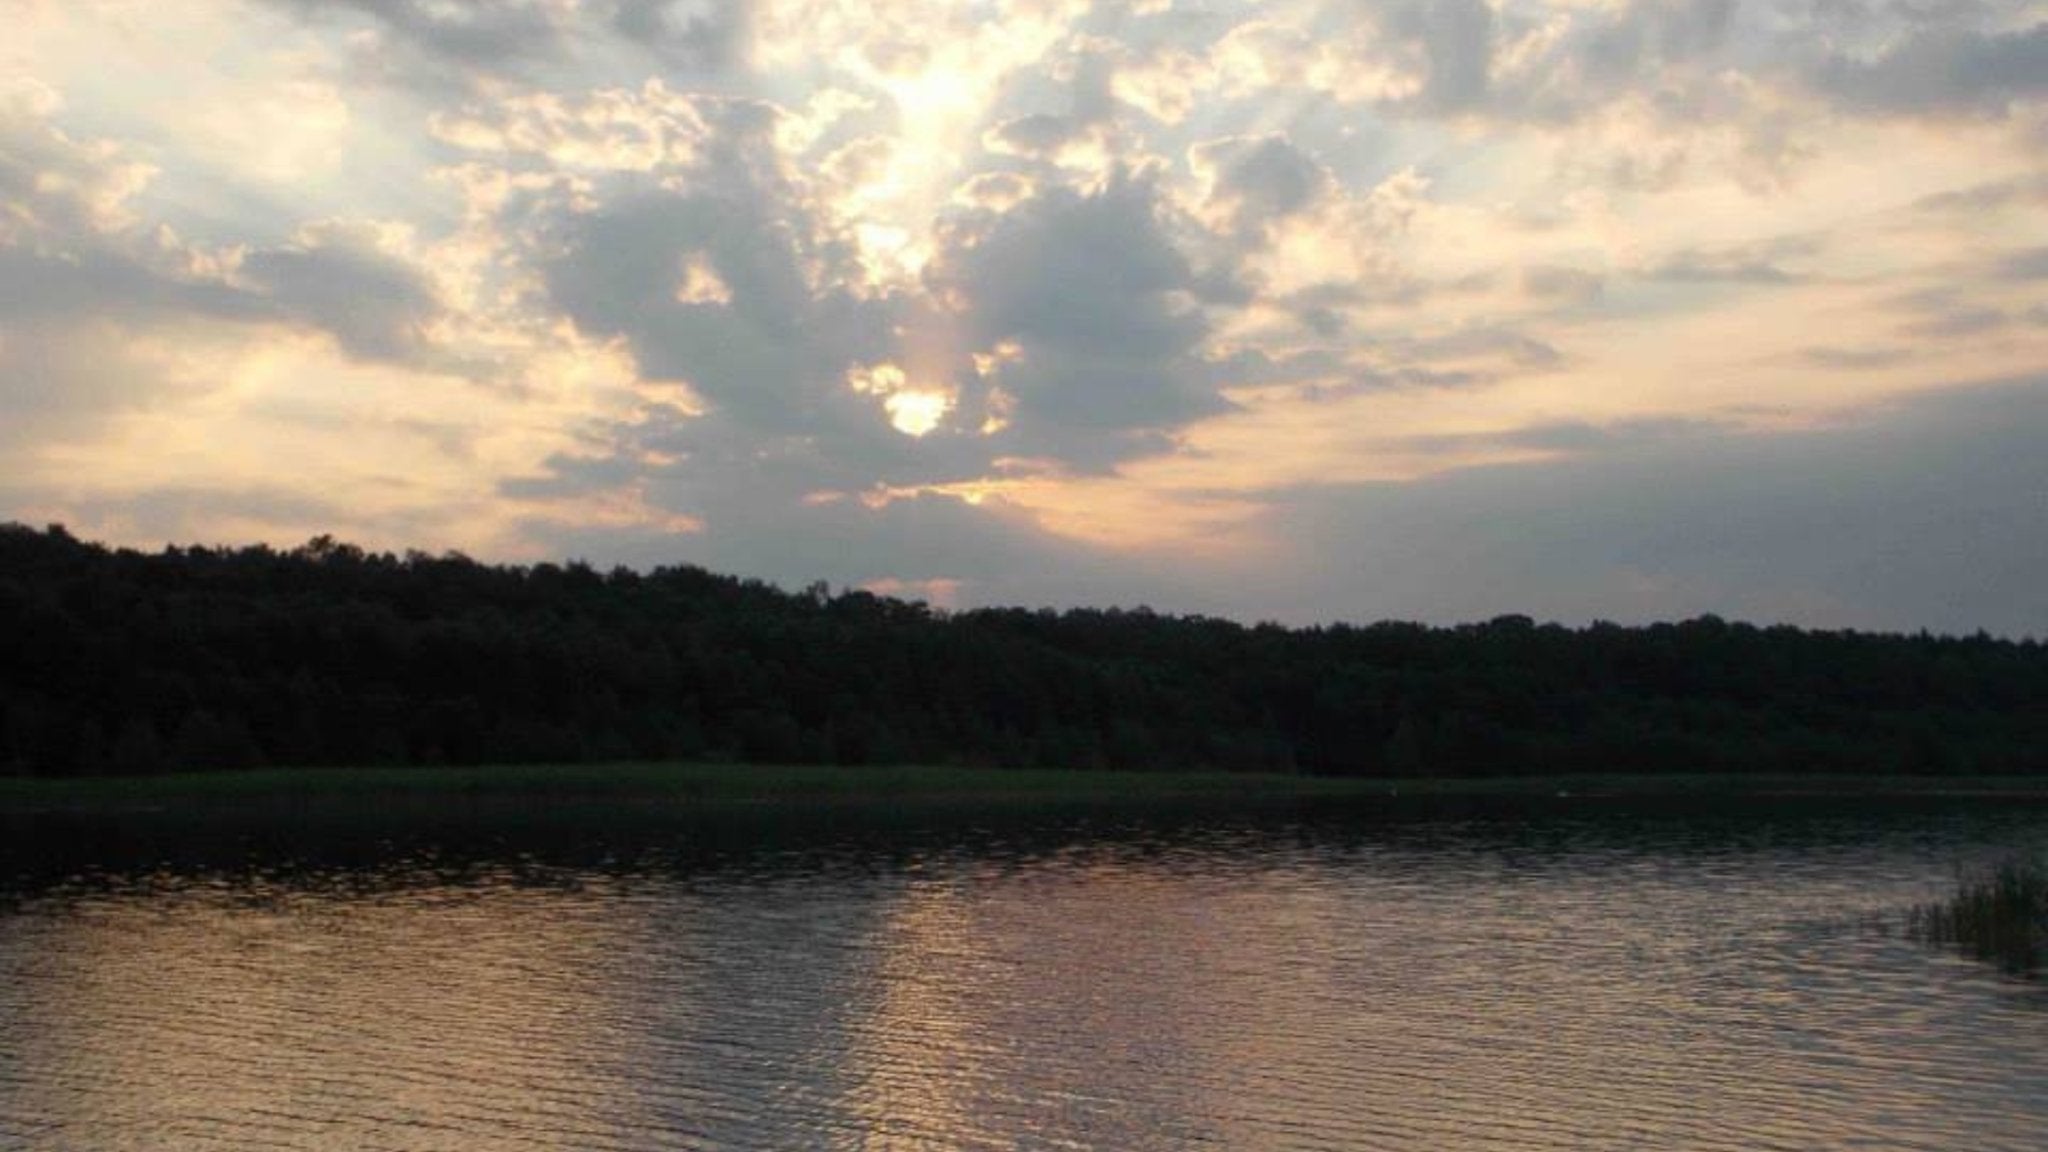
(915, 412)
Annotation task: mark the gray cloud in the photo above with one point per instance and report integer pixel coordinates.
(1855, 359)
(451, 44)
(1563, 437)
(1759, 264)
(1563, 283)
(57, 380)
(1457, 38)
(1928, 515)
(96, 278)
(1519, 348)
(771, 360)
(1665, 48)
(1991, 197)
(710, 34)
(1652, 33)
(1923, 515)
(1081, 271)
(998, 557)
(2029, 264)
(1958, 320)
(1943, 70)
(480, 33)
(376, 306)
(1098, 297)
(1947, 312)
(1088, 285)
(1260, 180)
(80, 278)
(1085, 84)
(1039, 134)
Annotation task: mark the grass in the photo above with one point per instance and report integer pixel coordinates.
(1998, 914)
(654, 783)
(693, 784)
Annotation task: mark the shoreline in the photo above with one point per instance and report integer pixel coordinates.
(693, 786)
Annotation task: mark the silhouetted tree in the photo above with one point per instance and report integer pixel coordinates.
(200, 658)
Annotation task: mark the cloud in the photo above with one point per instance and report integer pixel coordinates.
(1457, 39)
(1927, 515)
(1995, 196)
(766, 351)
(2028, 264)
(55, 189)
(475, 34)
(1562, 283)
(1923, 515)
(1856, 359)
(339, 278)
(916, 291)
(1257, 181)
(1100, 303)
(1755, 264)
(710, 34)
(1943, 71)
(1486, 342)
(984, 555)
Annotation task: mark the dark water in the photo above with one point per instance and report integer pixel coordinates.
(1568, 977)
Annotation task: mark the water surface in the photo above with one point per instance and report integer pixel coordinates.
(1565, 976)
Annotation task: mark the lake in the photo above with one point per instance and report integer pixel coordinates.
(1564, 974)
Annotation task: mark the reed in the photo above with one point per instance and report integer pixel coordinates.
(1997, 913)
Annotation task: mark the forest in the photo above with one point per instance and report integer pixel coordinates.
(114, 661)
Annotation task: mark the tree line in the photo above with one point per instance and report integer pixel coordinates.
(119, 661)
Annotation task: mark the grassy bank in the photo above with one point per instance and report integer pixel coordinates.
(692, 784)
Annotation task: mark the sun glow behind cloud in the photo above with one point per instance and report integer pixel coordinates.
(530, 277)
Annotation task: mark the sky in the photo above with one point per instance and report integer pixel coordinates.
(1293, 311)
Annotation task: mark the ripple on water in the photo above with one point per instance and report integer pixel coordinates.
(1451, 984)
